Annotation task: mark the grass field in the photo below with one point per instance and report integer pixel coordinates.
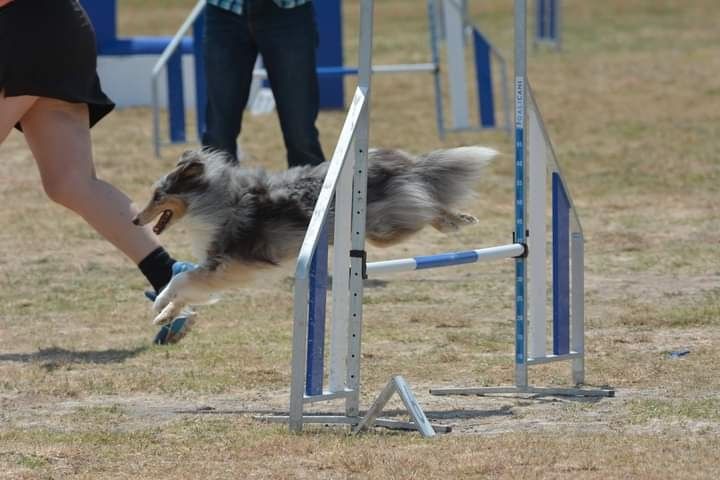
(633, 106)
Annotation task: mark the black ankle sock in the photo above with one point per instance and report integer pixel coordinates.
(157, 268)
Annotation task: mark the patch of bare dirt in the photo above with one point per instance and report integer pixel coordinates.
(466, 415)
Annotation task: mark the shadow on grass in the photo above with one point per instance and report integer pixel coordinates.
(464, 414)
(457, 414)
(54, 357)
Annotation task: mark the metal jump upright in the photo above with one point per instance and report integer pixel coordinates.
(534, 157)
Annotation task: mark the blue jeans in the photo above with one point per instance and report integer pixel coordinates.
(286, 39)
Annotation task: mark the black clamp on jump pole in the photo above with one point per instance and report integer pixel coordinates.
(524, 245)
(363, 255)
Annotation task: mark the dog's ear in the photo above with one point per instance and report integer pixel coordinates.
(191, 169)
(190, 164)
(189, 156)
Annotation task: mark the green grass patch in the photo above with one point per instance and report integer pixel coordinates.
(702, 310)
(707, 409)
(31, 461)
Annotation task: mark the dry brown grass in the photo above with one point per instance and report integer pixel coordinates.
(632, 104)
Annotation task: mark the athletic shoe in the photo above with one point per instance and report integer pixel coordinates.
(175, 330)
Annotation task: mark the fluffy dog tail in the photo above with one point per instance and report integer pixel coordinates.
(452, 174)
(406, 193)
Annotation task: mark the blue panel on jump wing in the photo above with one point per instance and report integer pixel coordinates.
(316, 317)
(540, 31)
(102, 14)
(176, 101)
(546, 20)
(200, 92)
(561, 267)
(328, 15)
(445, 259)
(552, 27)
(483, 76)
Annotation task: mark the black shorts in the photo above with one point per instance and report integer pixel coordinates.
(47, 49)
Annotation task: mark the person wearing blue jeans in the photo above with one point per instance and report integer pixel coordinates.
(285, 34)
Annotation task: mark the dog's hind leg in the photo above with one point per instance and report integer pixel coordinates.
(448, 221)
(197, 286)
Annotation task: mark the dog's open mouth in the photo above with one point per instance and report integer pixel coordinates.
(162, 221)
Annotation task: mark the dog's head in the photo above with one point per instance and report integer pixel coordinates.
(173, 193)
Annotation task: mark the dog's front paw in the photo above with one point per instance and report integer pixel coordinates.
(168, 313)
(171, 293)
(162, 300)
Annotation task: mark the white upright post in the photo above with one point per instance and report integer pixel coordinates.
(435, 31)
(339, 334)
(536, 242)
(359, 204)
(577, 301)
(299, 354)
(455, 52)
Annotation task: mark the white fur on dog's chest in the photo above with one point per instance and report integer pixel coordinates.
(201, 236)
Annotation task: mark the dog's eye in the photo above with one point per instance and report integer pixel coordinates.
(157, 196)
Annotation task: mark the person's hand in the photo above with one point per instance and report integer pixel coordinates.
(5, 2)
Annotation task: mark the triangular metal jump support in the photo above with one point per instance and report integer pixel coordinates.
(418, 421)
(399, 385)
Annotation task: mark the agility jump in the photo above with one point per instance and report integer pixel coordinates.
(346, 182)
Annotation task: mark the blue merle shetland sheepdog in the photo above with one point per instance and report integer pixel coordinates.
(243, 220)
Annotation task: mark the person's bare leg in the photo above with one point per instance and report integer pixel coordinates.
(11, 111)
(59, 136)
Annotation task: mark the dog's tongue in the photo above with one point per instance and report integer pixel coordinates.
(162, 222)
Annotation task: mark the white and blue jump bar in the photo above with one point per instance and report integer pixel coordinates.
(446, 259)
